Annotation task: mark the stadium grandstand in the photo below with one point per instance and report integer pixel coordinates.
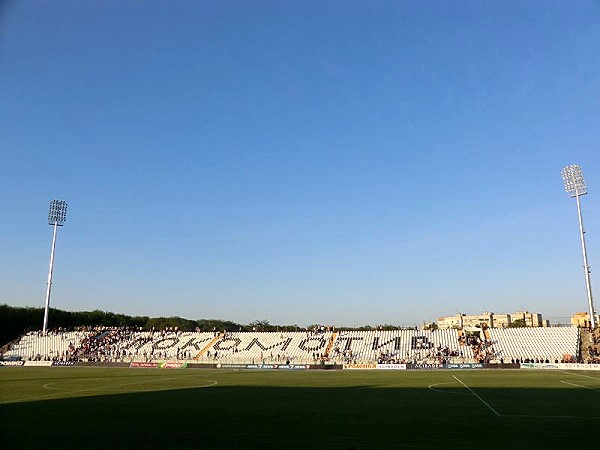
(324, 345)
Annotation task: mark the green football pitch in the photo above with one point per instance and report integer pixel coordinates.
(113, 408)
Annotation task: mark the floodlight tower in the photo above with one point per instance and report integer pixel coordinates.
(56, 217)
(575, 186)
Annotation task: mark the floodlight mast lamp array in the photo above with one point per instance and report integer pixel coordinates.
(575, 186)
(57, 216)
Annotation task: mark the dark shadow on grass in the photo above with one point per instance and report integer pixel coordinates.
(234, 417)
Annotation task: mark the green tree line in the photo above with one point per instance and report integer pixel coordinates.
(15, 320)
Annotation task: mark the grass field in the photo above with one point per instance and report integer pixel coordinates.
(190, 408)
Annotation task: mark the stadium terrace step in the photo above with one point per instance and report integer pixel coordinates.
(208, 346)
(330, 344)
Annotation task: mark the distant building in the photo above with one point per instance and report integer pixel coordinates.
(485, 320)
(582, 320)
(530, 319)
(491, 320)
(501, 320)
(450, 322)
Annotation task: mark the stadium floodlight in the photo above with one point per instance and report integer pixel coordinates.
(575, 186)
(57, 216)
(574, 182)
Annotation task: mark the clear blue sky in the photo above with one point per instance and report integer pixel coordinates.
(346, 162)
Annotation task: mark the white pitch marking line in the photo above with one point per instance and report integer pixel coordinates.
(444, 391)
(108, 387)
(480, 399)
(581, 386)
(533, 416)
(580, 375)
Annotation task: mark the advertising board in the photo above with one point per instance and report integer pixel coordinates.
(38, 363)
(425, 366)
(292, 366)
(360, 366)
(63, 363)
(147, 365)
(231, 366)
(173, 365)
(264, 366)
(391, 366)
(465, 366)
(561, 366)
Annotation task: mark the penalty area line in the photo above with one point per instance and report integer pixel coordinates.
(579, 375)
(541, 416)
(580, 386)
(480, 399)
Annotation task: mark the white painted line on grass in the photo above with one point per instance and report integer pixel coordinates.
(444, 391)
(480, 399)
(579, 375)
(580, 386)
(111, 387)
(539, 416)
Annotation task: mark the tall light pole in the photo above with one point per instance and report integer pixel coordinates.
(575, 186)
(56, 217)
